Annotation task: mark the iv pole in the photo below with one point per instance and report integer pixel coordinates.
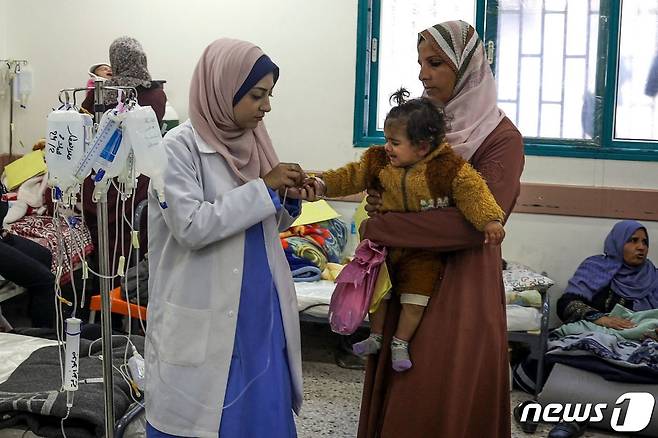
(104, 267)
(14, 66)
(105, 283)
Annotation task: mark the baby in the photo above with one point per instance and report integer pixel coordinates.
(416, 170)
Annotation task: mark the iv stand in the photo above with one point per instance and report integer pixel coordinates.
(105, 284)
(104, 267)
(14, 66)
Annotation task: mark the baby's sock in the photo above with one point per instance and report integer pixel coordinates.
(400, 354)
(369, 346)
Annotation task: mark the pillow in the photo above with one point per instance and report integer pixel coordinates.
(518, 277)
(525, 298)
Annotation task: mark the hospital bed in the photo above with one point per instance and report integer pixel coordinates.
(528, 307)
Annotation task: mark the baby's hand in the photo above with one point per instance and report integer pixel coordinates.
(494, 233)
(311, 189)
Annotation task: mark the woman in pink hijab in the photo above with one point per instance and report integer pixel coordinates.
(223, 345)
(460, 388)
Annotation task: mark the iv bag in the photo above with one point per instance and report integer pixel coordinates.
(22, 86)
(142, 132)
(112, 158)
(68, 134)
(4, 79)
(107, 136)
(72, 357)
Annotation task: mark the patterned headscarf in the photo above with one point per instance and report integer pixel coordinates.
(129, 67)
(473, 110)
(599, 272)
(224, 67)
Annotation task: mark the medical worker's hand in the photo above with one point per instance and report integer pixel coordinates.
(614, 322)
(374, 202)
(494, 233)
(284, 175)
(312, 190)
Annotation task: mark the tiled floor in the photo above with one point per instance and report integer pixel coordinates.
(332, 394)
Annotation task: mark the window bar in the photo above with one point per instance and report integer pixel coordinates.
(564, 66)
(518, 64)
(587, 67)
(542, 62)
(368, 69)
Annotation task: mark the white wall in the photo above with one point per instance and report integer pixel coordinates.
(314, 43)
(3, 55)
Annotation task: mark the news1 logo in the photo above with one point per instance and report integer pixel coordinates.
(635, 416)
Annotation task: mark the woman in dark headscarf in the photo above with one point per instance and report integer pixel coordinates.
(622, 275)
(129, 69)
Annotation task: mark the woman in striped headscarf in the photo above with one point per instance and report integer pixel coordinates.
(459, 386)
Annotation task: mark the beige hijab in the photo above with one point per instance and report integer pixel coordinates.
(219, 74)
(473, 110)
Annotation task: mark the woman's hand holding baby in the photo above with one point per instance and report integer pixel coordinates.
(494, 233)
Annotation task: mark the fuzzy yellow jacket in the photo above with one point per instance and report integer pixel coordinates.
(441, 179)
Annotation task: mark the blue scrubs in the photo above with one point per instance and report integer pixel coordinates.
(258, 400)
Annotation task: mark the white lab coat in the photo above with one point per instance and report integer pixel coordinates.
(196, 251)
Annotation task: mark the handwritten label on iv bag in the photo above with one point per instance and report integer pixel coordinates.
(72, 358)
(68, 133)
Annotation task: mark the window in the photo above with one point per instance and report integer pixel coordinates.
(575, 76)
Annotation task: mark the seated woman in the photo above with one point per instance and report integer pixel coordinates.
(621, 275)
(27, 264)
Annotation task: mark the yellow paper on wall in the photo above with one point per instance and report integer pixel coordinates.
(24, 168)
(313, 212)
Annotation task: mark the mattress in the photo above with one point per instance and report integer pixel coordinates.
(572, 385)
(313, 300)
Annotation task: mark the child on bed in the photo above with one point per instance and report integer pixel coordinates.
(415, 170)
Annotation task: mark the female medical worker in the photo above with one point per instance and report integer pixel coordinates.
(223, 343)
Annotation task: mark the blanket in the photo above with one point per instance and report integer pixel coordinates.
(75, 240)
(646, 322)
(31, 393)
(595, 351)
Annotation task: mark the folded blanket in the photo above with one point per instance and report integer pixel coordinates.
(307, 249)
(316, 243)
(307, 273)
(335, 243)
(295, 262)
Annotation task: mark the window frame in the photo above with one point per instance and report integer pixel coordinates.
(605, 146)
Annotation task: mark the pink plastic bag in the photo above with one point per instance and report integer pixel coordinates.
(354, 286)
